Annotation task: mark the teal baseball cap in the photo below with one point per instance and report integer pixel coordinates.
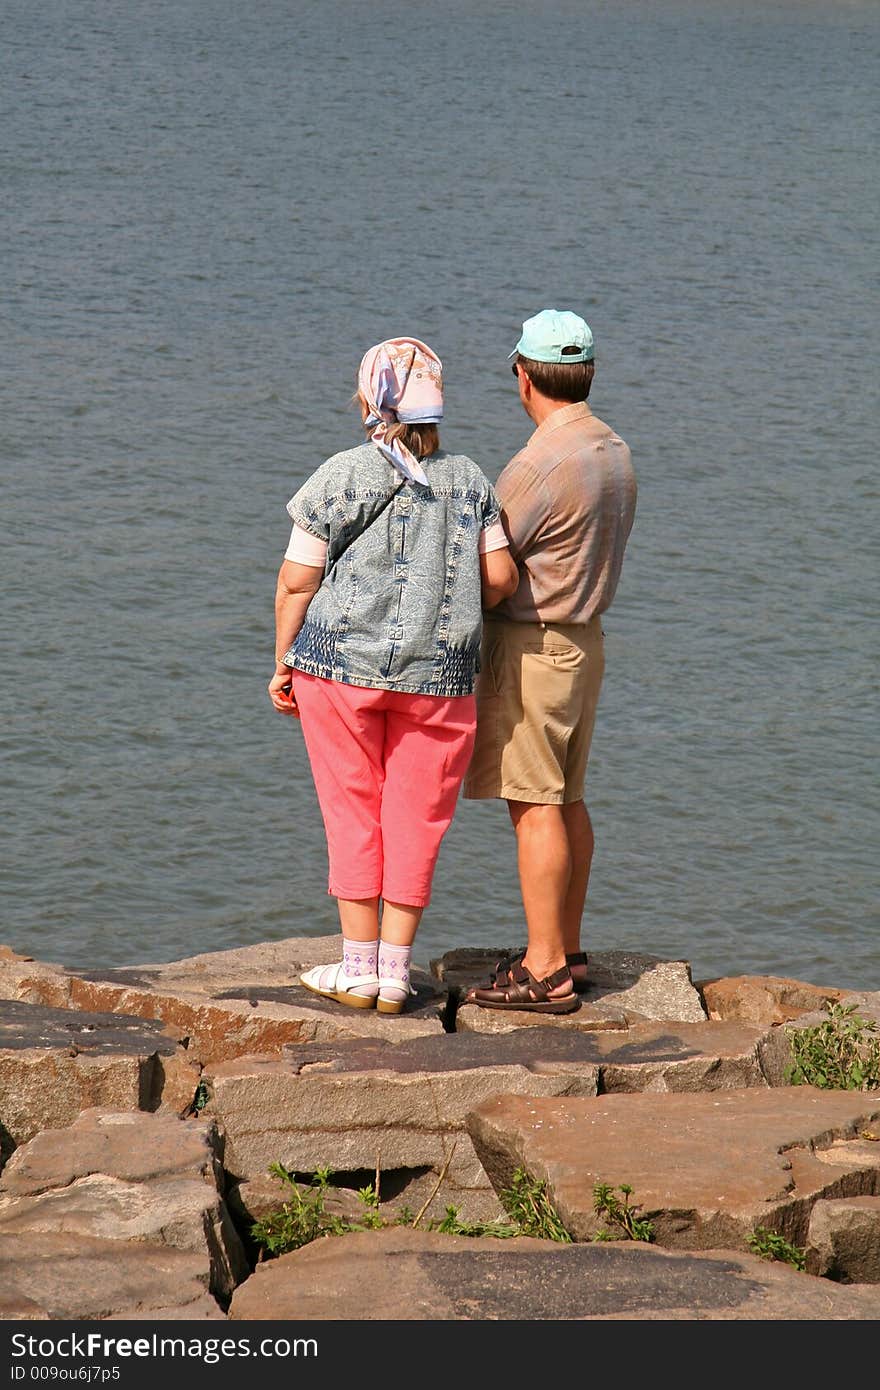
(546, 335)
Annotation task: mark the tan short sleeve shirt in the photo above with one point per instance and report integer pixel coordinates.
(568, 502)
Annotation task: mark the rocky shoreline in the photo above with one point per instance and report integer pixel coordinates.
(140, 1110)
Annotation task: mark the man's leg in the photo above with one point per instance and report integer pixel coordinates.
(578, 825)
(579, 831)
(549, 883)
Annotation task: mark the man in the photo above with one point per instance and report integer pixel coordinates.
(568, 501)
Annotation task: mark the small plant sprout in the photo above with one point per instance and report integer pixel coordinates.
(621, 1213)
(771, 1246)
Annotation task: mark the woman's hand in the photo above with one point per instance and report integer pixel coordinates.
(281, 692)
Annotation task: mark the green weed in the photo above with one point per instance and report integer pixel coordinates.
(527, 1203)
(621, 1213)
(771, 1246)
(304, 1217)
(201, 1097)
(453, 1225)
(841, 1054)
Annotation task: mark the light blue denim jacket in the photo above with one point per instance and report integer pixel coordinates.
(399, 607)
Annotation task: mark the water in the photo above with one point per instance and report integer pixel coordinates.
(209, 212)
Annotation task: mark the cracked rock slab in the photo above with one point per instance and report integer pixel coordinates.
(644, 1057)
(225, 1004)
(133, 1146)
(705, 1169)
(54, 1063)
(341, 1105)
(126, 1177)
(456, 1277)
(79, 1277)
(709, 1056)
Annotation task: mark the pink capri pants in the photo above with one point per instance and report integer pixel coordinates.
(388, 767)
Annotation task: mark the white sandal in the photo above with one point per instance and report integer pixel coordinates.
(339, 986)
(392, 1006)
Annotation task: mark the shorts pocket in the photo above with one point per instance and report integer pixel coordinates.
(565, 657)
(494, 665)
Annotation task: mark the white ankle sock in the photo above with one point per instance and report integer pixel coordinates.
(394, 965)
(360, 958)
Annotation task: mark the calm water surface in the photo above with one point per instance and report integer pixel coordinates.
(209, 212)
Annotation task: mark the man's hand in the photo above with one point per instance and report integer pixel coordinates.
(281, 693)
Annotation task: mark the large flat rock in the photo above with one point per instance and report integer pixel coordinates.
(643, 1057)
(133, 1146)
(343, 1105)
(55, 1062)
(127, 1177)
(623, 988)
(415, 1275)
(181, 1213)
(74, 1277)
(764, 999)
(707, 1056)
(226, 1003)
(706, 1169)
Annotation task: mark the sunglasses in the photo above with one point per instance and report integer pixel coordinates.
(514, 367)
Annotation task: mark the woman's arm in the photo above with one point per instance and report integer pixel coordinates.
(499, 576)
(297, 586)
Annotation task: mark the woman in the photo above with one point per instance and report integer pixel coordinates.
(396, 547)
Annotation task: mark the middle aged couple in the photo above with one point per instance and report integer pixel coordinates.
(401, 558)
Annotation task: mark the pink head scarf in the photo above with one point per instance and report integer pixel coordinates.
(401, 381)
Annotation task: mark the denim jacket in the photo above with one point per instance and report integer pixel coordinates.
(400, 605)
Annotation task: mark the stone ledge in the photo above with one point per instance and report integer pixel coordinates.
(227, 1003)
(312, 1108)
(705, 1169)
(54, 1063)
(424, 1276)
(77, 1277)
(127, 1178)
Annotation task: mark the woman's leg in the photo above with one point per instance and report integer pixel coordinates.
(344, 737)
(400, 923)
(428, 745)
(399, 926)
(427, 749)
(344, 732)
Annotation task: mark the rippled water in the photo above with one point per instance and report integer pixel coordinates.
(208, 212)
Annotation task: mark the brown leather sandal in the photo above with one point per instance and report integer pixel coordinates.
(506, 963)
(524, 991)
(581, 983)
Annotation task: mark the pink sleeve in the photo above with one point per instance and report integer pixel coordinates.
(493, 537)
(306, 549)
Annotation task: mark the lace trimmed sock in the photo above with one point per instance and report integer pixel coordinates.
(360, 958)
(394, 965)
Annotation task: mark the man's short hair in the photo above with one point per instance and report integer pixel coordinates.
(561, 381)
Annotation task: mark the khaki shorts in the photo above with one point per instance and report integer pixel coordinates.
(536, 706)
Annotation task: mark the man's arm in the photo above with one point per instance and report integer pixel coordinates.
(499, 576)
(525, 509)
